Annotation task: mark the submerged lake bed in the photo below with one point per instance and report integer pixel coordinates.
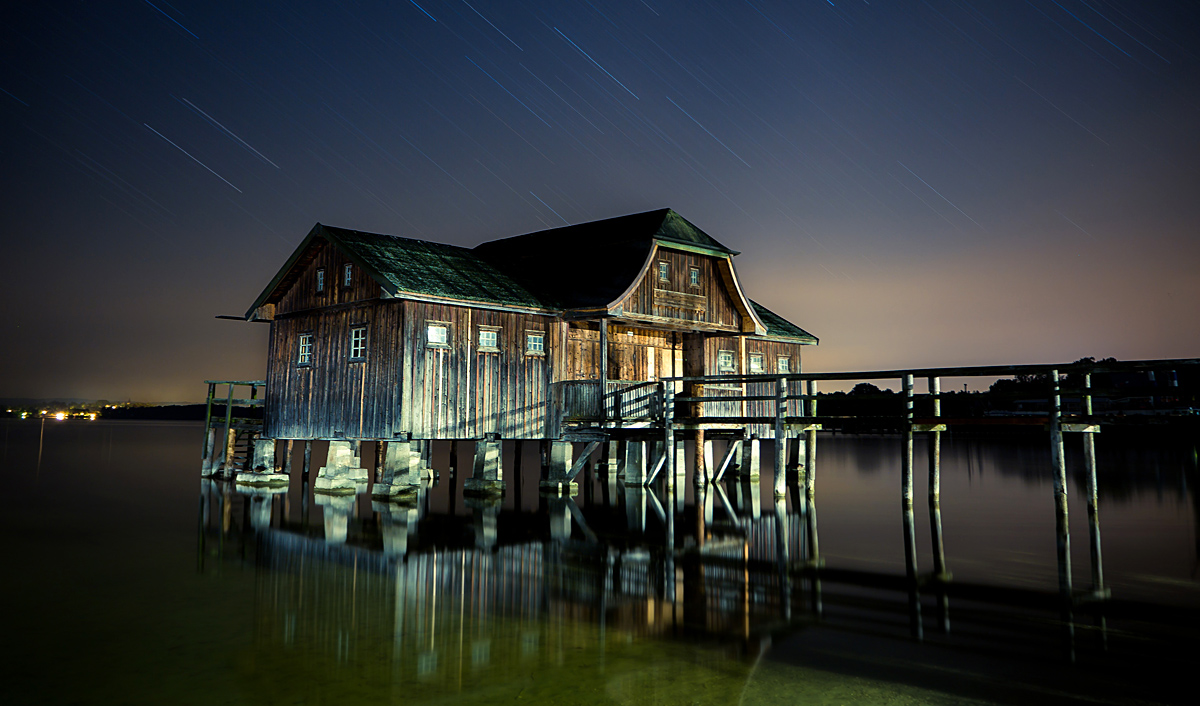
(129, 580)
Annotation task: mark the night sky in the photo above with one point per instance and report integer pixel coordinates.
(917, 183)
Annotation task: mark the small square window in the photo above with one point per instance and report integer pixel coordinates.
(304, 349)
(535, 342)
(437, 334)
(358, 343)
(664, 271)
(347, 275)
(489, 339)
(785, 364)
(321, 279)
(756, 363)
(694, 276)
(725, 362)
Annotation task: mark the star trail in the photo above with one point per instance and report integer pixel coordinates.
(933, 182)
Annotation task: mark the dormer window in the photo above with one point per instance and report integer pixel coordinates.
(694, 276)
(321, 279)
(347, 275)
(664, 271)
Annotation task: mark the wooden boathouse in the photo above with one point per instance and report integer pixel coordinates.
(385, 338)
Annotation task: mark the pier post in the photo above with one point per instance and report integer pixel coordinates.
(214, 455)
(935, 486)
(1093, 492)
(810, 444)
(669, 433)
(906, 450)
(488, 476)
(780, 470)
(1059, 468)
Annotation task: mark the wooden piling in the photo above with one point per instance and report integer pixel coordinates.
(906, 450)
(1059, 469)
(810, 445)
(781, 404)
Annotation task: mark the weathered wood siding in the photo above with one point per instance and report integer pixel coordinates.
(303, 294)
(460, 391)
(677, 300)
(333, 396)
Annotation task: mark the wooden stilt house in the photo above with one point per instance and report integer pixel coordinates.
(383, 337)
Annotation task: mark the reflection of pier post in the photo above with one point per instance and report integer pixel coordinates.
(782, 556)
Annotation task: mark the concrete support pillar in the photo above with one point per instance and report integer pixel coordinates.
(263, 470)
(562, 456)
(398, 475)
(488, 475)
(795, 455)
(343, 471)
(634, 468)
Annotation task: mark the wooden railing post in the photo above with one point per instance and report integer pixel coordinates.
(810, 444)
(1059, 468)
(668, 397)
(781, 392)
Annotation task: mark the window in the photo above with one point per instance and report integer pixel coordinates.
(694, 276)
(785, 364)
(304, 349)
(321, 279)
(725, 362)
(347, 275)
(756, 361)
(358, 343)
(437, 334)
(535, 342)
(664, 271)
(489, 339)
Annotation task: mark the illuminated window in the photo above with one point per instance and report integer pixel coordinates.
(489, 339)
(347, 275)
(756, 363)
(535, 342)
(437, 334)
(358, 343)
(785, 364)
(725, 362)
(321, 279)
(304, 349)
(694, 276)
(664, 271)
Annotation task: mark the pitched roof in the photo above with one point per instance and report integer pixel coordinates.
(575, 267)
(433, 269)
(779, 327)
(590, 265)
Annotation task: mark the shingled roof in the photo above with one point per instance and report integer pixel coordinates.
(590, 265)
(779, 327)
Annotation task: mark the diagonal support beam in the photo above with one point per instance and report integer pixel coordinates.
(658, 466)
(734, 447)
(583, 457)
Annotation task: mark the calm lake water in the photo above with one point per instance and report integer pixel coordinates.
(126, 579)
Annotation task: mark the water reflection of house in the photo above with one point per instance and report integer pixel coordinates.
(383, 337)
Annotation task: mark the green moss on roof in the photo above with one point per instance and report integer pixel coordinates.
(779, 327)
(432, 269)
